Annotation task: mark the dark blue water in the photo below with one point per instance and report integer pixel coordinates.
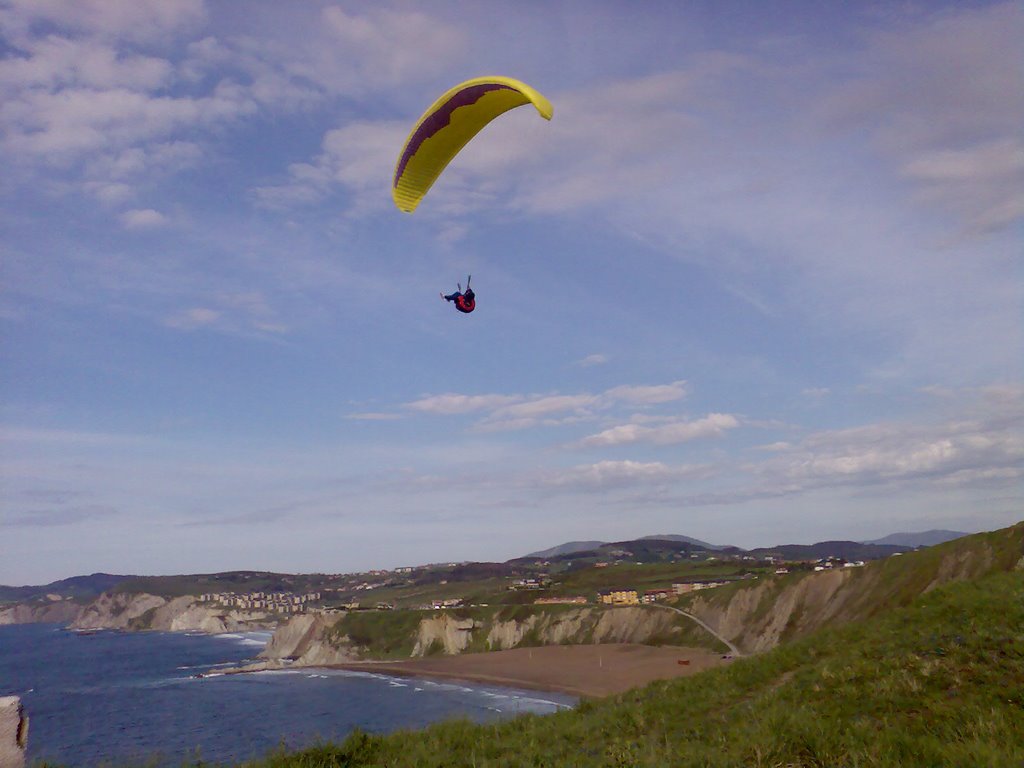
(119, 697)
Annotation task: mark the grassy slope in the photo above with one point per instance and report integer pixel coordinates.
(881, 586)
(940, 682)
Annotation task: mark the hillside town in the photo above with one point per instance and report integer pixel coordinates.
(381, 582)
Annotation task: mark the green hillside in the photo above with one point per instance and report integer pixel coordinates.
(801, 603)
(940, 682)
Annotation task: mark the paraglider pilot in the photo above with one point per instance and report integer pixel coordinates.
(464, 302)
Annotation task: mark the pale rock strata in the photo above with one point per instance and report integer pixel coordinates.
(180, 614)
(452, 634)
(13, 732)
(115, 611)
(56, 611)
(303, 640)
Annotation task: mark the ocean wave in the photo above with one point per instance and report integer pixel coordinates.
(247, 638)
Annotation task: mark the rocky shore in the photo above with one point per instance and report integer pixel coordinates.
(13, 732)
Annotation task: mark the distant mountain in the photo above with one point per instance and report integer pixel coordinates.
(687, 539)
(923, 539)
(848, 550)
(567, 549)
(572, 547)
(76, 587)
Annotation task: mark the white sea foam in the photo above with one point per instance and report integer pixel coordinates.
(247, 638)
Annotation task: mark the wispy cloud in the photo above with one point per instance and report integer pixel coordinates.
(712, 425)
(452, 403)
(518, 411)
(145, 218)
(136, 20)
(240, 312)
(373, 416)
(604, 475)
(57, 516)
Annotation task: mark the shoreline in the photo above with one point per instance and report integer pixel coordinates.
(391, 669)
(585, 671)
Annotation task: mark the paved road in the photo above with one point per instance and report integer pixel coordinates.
(735, 651)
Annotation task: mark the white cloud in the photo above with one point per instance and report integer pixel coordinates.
(65, 437)
(136, 162)
(815, 394)
(620, 474)
(359, 156)
(986, 448)
(544, 406)
(591, 360)
(640, 395)
(242, 312)
(56, 516)
(712, 425)
(57, 62)
(123, 19)
(390, 47)
(69, 124)
(110, 192)
(513, 412)
(449, 404)
(191, 319)
(944, 97)
(981, 184)
(143, 218)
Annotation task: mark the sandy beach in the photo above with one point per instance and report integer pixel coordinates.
(580, 670)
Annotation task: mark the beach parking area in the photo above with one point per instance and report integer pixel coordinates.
(581, 670)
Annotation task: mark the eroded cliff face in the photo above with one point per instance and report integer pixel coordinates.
(451, 634)
(180, 614)
(54, 611)
(115, 611)
(304, 641)
(583, 625)
(308, 641)
(758, 616)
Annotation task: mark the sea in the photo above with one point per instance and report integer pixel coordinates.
(121, 698)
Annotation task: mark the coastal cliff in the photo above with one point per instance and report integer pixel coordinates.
(180, 614)
(56, 610)
(758, 616)
(304, 640)
(315, 640)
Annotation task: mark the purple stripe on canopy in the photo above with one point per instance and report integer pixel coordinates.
(442, 117)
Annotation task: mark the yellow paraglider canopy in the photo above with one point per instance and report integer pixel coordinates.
(449, 124)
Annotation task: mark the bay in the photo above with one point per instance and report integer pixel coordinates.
(123, 697)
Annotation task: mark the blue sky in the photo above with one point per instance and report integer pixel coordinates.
(758, 281)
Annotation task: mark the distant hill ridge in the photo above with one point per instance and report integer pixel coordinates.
(851, 549)
(81, 587)
(922, 539)
(89, 587)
